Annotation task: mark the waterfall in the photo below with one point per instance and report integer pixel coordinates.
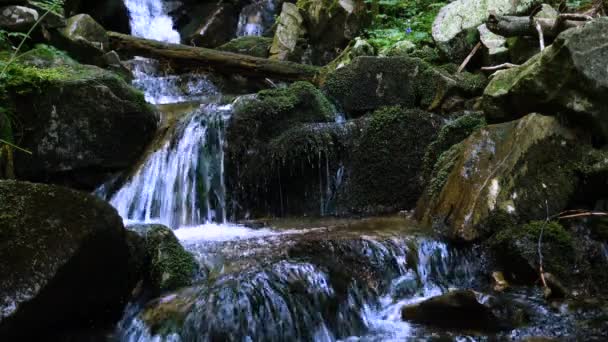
(182, 183)
(256, 18)
(149, 19)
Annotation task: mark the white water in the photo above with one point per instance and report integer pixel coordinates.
(256, 18)
(149, 19)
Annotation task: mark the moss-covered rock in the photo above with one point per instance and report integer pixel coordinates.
(517, 251)
(79, 121)
(369, 83)
(520, 167)
(83, 38)
(578, 56)
(450, 134)
(169, 265)
(65, 261)
(387, 159)
(111, 14)
(250, 45)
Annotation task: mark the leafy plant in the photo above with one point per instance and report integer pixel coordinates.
(398, 20)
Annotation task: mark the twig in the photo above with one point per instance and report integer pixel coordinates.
(466, 60)
(15, 146)
(500, 67)
(586, 214)
(540, 251)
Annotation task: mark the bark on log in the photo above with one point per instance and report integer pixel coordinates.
(514, 26)
(186, 58)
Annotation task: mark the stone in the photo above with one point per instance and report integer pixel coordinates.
(402, 48)
(83, 38)
(455, 27)
(168, 265)
(514, 167)
(289, 30)
(454, 310)
(17, 18)
(499, 281)
(568, 80)
(65, 262)
(80, 122)
(495, 51)
(369, 83)
(113, 15)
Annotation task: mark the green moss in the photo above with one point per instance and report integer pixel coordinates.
(387, 160)
(171, 266)
(442, 169)
(450, 134)
(250, 45)
(517, 249)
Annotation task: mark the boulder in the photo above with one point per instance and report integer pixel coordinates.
(17, 18)
(386, 162)
(83, 38)
(279, 132)
(331, 25)
(369, 83)
(65, 262)
(568, 79)
(113, 15)
(495, 46)
(251, 45)
(519, 167)
(168, 265)
(80, 122)
(290, 28)
(455, 27)
(454, 310)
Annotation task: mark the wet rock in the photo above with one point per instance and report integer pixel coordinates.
(369, 83)
(79, 121)
(252, 46)
(499, 281)
(289, 31)
(455, 27)
(111, 14)
(65, 261)
(578, 57)
(17, 18)
(169, 266)
(453, 310)
(516, 250)
(515, 167)
(273, 135)
(83, 38)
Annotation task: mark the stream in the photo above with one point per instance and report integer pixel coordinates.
(280, 280)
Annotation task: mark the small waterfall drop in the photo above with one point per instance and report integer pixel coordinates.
(149, 19)
(182, 183)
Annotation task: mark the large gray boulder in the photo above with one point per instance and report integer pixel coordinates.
(290, 28)
(569, 79)
(455, 27)
(83, 38)
(522, 168)
(79, 121)
(17, 18)
(65, 262)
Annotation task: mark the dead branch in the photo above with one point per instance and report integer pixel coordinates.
(466, 60)
(499, 67)
(518, 26)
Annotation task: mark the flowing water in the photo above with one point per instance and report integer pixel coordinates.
(255, 19)
(317, 281)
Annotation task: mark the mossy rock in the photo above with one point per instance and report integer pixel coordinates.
(387, 159)
(250, 45)
(519, 167)
(79, 121)
(451, 134)
(577, 96)
(170, 266)
(369, 83)
(517, 251)
(65, 261)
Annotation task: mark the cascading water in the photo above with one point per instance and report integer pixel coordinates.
(257, 17)
(149, 19)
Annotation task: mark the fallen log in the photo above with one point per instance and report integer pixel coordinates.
(515, 26)
(186, 58)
